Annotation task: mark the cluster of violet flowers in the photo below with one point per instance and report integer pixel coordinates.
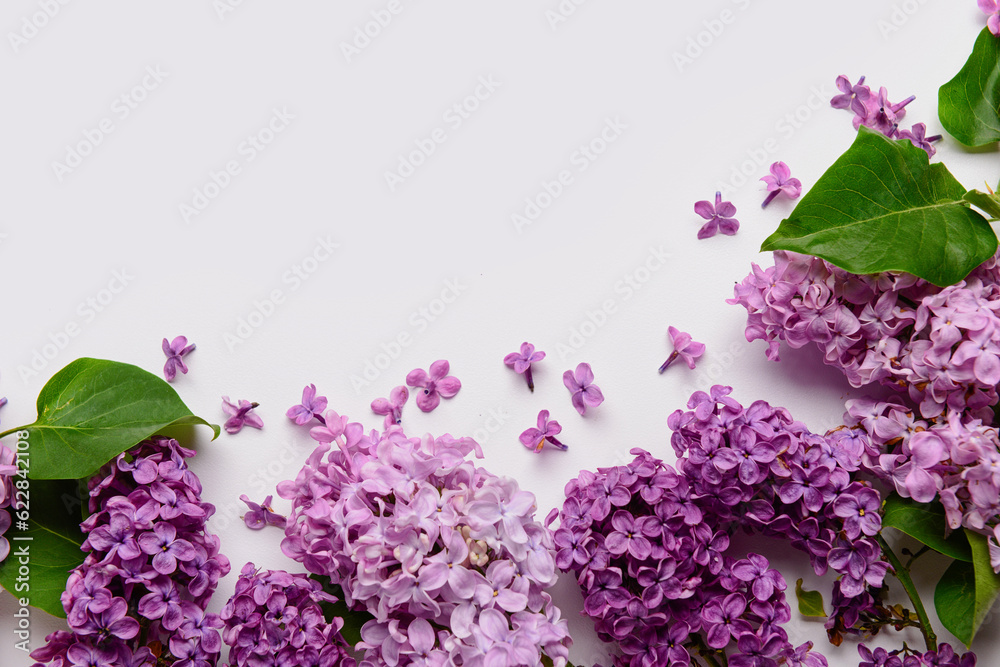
(150, 569)
(875, 111)
(650, 543)
(276, 618)
(938, 347)
(445, 556)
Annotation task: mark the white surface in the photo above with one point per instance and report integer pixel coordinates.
(609, 67)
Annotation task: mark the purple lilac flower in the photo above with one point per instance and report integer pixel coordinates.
(780, 181)
(436, 384)
(848, 92)
(918, 137)
(392, 408)
(535, 438)
(275, 617)
(521, 361)
(582, 388)
(261, 515)
(991, 7)
(149, 559)
(240, 415)
(417, 535)
(311, 406)
(176, 350)
(719, 217)
(4, 526)
(684, 347)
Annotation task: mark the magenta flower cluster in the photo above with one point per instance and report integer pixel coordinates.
(150, 570)
(937, 346)
(875, 111)
(275, 618)
(445, 556)
(649, 543)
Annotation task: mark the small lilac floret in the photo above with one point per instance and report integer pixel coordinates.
(780, 181)
(176, 350)
(582, 388)
(240, 415)
(719, 216)
(521, 361)
(684, 347)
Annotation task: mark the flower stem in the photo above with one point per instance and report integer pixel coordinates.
(670, 360)
(902, 573)
(527, 376)
(13, 430)
(769, 198)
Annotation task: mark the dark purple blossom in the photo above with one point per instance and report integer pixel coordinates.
(521, 361)
(435, 385)
(719, 217)
(312, 406)
(240, 415)
(582, 388)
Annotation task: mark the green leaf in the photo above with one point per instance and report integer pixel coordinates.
(810, 602)
(925, 522)
(883, 207)
(969, 104)
(966, 591)
(52, 542)
(92, 410)
(987, 202)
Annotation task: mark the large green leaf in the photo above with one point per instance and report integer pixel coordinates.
(51, 542)
(925, 522)
(966, 591)
(92, 410)
(969, 104)
(883, 207)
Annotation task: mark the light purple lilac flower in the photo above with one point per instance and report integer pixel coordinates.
(684, 347)
(780, 181)
(582, 388)
(521, 361)
(436, 384)
(176, 350)
(535, 438)
(312, 406)
(391, 408)
(719, 217)
(240, 415)
(261, 515)
(991, 7)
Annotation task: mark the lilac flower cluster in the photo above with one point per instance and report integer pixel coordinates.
(936, 344)
(446, 556)
(275, 618)
(650, 544)
(940, 347)
(875, 111)
(150, 570)
(944, 656)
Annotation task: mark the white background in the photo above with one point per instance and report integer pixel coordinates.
(583, 281)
